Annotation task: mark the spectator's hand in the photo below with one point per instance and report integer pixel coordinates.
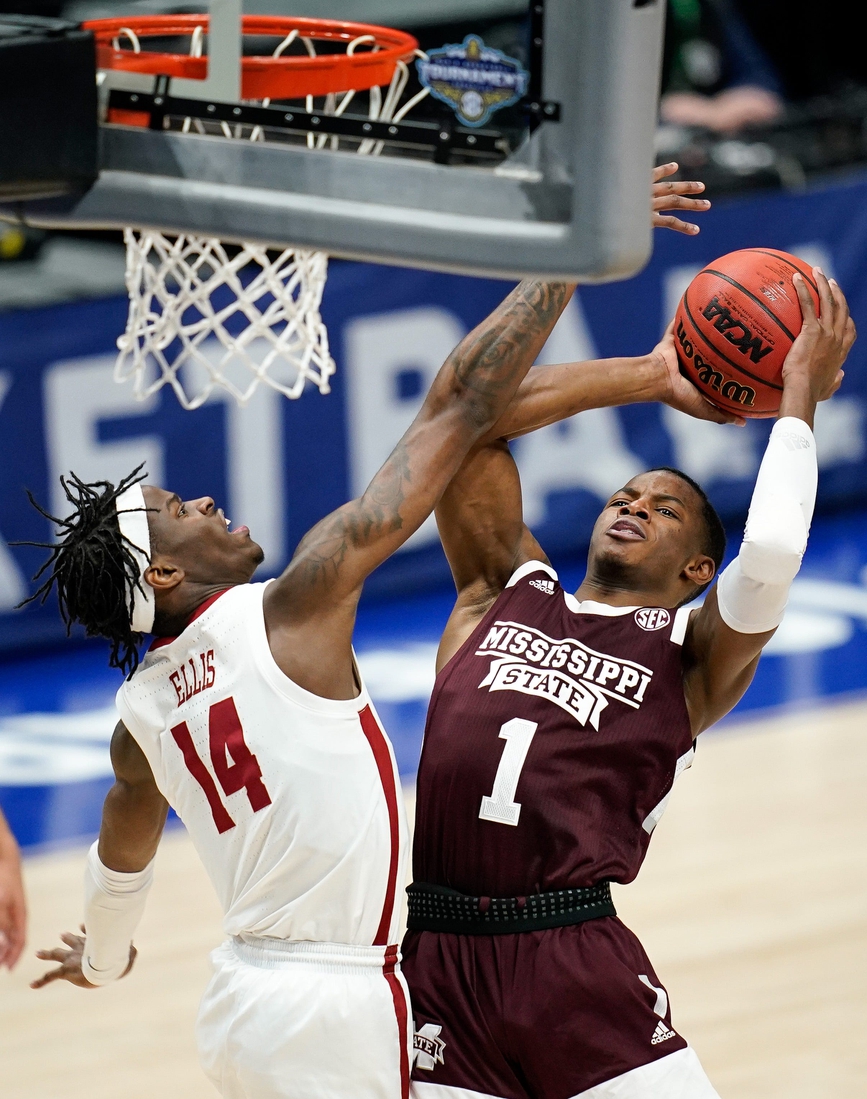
(673, 196)
(13, 913)
(727, 112)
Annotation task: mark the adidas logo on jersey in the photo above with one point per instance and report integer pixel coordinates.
(547, 586)
(661, 1034)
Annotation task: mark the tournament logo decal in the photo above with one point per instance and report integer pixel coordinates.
(563, 671)
(473, 79)
(428, 1047)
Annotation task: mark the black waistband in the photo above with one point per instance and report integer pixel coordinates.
(435, 908)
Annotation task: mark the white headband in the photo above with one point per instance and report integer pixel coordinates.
(133, 522)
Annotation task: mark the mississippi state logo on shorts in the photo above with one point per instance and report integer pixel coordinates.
(428, 1047)
(652, 618)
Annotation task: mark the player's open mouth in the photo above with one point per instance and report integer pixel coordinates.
(237, 530)
(629, 530)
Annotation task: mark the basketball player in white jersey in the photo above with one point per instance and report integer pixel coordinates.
(248, 715)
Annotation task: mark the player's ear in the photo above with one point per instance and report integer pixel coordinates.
(163, 576)
(700, 570)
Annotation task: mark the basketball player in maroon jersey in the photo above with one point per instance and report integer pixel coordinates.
(557, 726)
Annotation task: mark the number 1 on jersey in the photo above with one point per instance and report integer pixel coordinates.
(501, 806)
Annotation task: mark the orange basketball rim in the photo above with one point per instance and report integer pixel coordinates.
(263, 76)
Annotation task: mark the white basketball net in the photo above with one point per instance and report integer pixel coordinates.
(194, 324)
(197, 318)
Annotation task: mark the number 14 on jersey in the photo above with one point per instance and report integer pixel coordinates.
(226, 742)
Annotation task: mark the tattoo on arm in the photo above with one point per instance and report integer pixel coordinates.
(489, 358)
(373, 515)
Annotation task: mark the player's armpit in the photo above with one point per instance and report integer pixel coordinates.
(134, 812)
(719, 664)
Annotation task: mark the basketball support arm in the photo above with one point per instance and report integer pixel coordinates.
(753, 590)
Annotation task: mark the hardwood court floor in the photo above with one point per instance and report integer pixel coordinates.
(752, 905)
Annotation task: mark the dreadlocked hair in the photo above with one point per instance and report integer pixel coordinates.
(91, 564)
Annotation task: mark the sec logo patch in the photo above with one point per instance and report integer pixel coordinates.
(652, 618)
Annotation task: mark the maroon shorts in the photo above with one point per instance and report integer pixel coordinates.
(538, 1015)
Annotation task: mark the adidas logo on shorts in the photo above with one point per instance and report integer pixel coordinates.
(547, 586)
(661, 1034)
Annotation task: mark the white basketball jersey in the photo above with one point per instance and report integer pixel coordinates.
(292, 801)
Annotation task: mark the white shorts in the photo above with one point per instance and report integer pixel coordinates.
(305, 1020)
(678, 1076)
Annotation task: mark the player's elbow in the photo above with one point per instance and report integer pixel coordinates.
(458, 398)
(774, 543)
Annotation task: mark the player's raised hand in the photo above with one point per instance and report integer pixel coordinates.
(674, 195)
(678, 392)
(825, 339)
(69, 962)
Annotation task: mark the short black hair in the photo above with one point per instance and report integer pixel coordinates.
(714, 532)
(91, 564)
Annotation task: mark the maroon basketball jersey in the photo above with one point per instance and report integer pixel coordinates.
(553, 738)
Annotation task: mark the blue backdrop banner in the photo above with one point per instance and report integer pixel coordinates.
(279, 465)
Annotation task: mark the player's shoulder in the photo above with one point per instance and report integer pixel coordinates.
(221, 609)
(534, 574)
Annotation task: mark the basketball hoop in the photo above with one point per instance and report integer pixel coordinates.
(204, 315)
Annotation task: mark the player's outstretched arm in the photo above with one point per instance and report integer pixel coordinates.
(468, 395)
(117, 877)
(726, 636)
(552, 393)
(13, 912)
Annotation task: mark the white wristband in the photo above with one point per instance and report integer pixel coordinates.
(113, 906)
(753, 591)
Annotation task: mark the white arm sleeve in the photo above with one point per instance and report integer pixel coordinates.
(113, 906)
(753, 591)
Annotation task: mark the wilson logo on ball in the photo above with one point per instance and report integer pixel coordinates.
(732, 391)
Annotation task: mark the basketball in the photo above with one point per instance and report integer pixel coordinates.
(734, 327)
